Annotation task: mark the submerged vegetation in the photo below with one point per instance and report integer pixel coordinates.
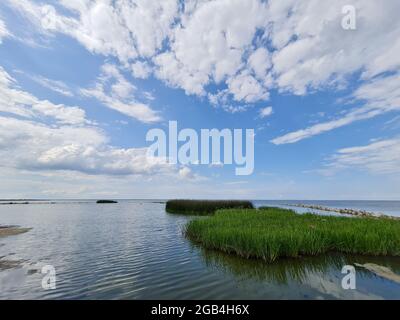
(204, 207)
(271, 233)
(6, 231)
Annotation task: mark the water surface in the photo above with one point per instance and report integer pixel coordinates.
(134, 250)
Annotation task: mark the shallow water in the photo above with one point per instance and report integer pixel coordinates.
(134, 250)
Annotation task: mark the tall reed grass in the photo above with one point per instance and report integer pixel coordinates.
(271, 233)
(204, 207)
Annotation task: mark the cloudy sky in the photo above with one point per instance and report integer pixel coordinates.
(82, 82)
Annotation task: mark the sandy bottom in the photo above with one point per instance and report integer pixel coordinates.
(6, 231)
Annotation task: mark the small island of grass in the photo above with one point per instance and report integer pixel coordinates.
(106, 201)
(272, 233)
(204, 207)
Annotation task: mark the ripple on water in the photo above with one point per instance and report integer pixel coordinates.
(136, 251)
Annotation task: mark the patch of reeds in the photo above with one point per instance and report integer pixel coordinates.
(204, 207)
(271, 233)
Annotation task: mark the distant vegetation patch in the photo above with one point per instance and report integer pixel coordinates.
(204, 207)
(106, 201)
(271, 233)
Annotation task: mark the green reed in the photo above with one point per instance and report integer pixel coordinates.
(204, 207)
(271, 233)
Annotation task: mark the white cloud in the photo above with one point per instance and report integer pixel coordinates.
(124, 29)
(306, 37)
(185, 173)
(140, 69)
(380, 157)
(3, 31)
(380, 93)
(33, 146)
(103, 160)
(117, 93)
(35, 142)
(319, 128)
(16, 101)
(244, 87)
(54, 85)
(216, 53)
(266, 112)
(219, 48)
(378, 96)
(311, 38)
(260, 62)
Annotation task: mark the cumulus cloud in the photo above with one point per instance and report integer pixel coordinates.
(34, 146)
(305, 37)
(311, 37)
(216, 55)
(235, 52)
(185, 173)
(124, 29)
(244, 87)
(266, 112)
(39, 135)
(103, 160)
(117, 93)
(132, 29)
(140, 69)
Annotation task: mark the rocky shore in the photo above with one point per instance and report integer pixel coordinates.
(352, 212)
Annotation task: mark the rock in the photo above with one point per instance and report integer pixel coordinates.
(358, 213)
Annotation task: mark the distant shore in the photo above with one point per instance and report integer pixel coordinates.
(353, 212)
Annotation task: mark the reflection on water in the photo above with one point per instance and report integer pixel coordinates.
(320, 273)
(281, 272)
(284, 271)
(134, 250)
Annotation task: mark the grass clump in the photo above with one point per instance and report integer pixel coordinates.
(106, 201)
(204, 207)
(272, 233)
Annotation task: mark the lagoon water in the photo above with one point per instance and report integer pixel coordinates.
(135, 250)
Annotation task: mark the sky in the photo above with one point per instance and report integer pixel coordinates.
(83, 81)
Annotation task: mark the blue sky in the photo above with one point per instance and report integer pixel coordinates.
(82, 82)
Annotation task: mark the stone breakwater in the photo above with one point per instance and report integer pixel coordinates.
(352, 212)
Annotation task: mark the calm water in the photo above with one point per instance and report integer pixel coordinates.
(134, 250)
